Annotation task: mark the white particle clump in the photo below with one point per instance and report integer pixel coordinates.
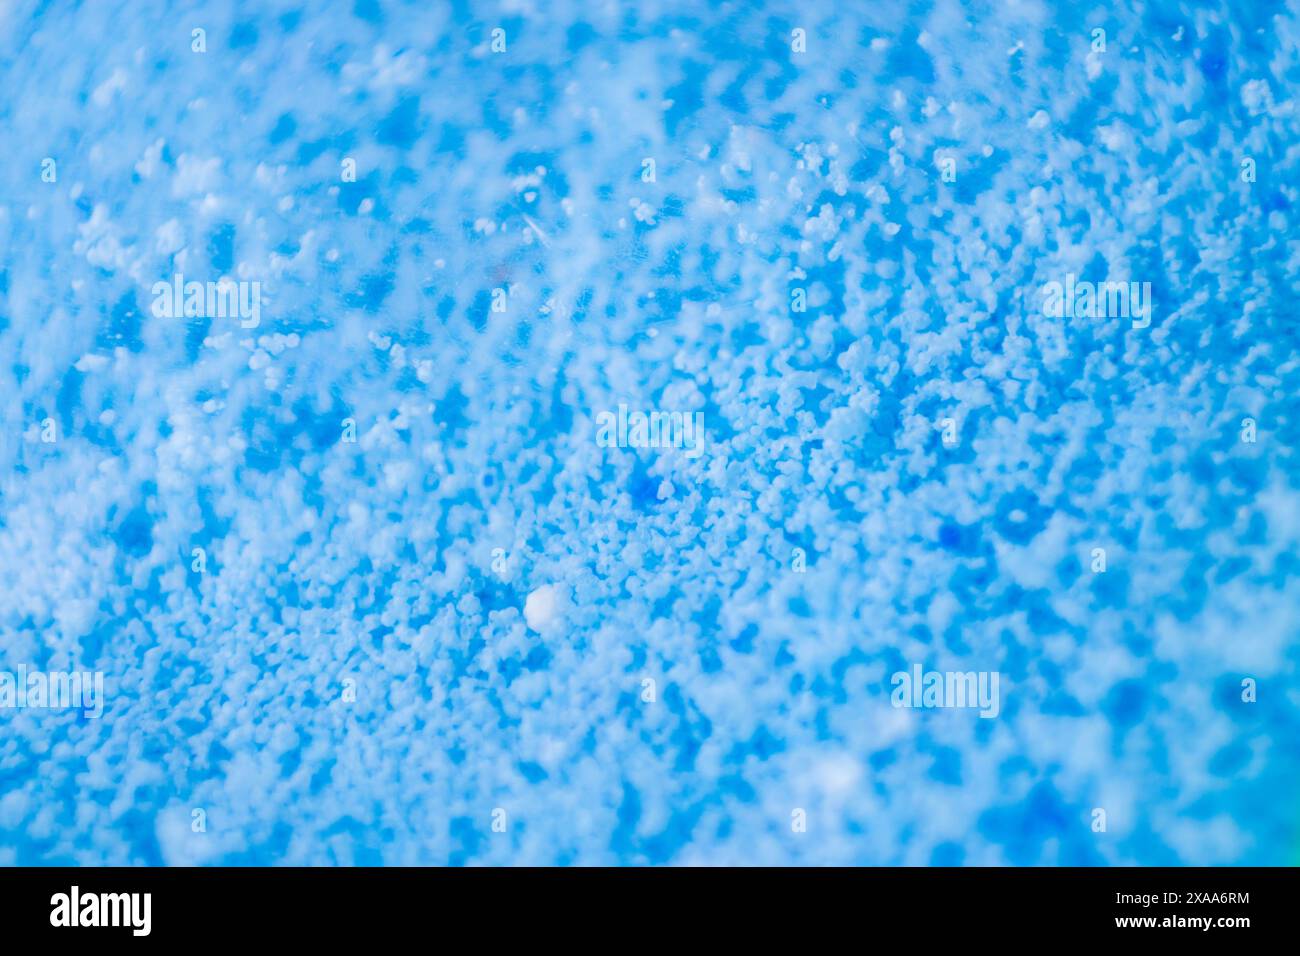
(542, 609)
(1257, 97)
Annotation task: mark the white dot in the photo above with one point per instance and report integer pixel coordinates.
(542, 607)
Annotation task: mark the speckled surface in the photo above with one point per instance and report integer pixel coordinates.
(477, 634)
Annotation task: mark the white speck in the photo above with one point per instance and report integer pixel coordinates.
(149, 163)
(104, 92)
(194, 176)
(170, 238)
(92, 363)
(537, 230)
(542, 609)
(1093, 65)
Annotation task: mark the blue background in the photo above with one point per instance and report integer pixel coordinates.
(335, 567)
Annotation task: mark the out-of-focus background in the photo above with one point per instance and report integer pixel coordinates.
(366, 585)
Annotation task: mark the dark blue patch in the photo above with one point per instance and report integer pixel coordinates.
(285, 127)
(221, 247)
(400, 128)
(1126, 703)
(369, 11)
(135, 534)
(1020, 516)
(243, 35)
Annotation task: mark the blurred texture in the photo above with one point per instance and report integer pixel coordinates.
(350, 677)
